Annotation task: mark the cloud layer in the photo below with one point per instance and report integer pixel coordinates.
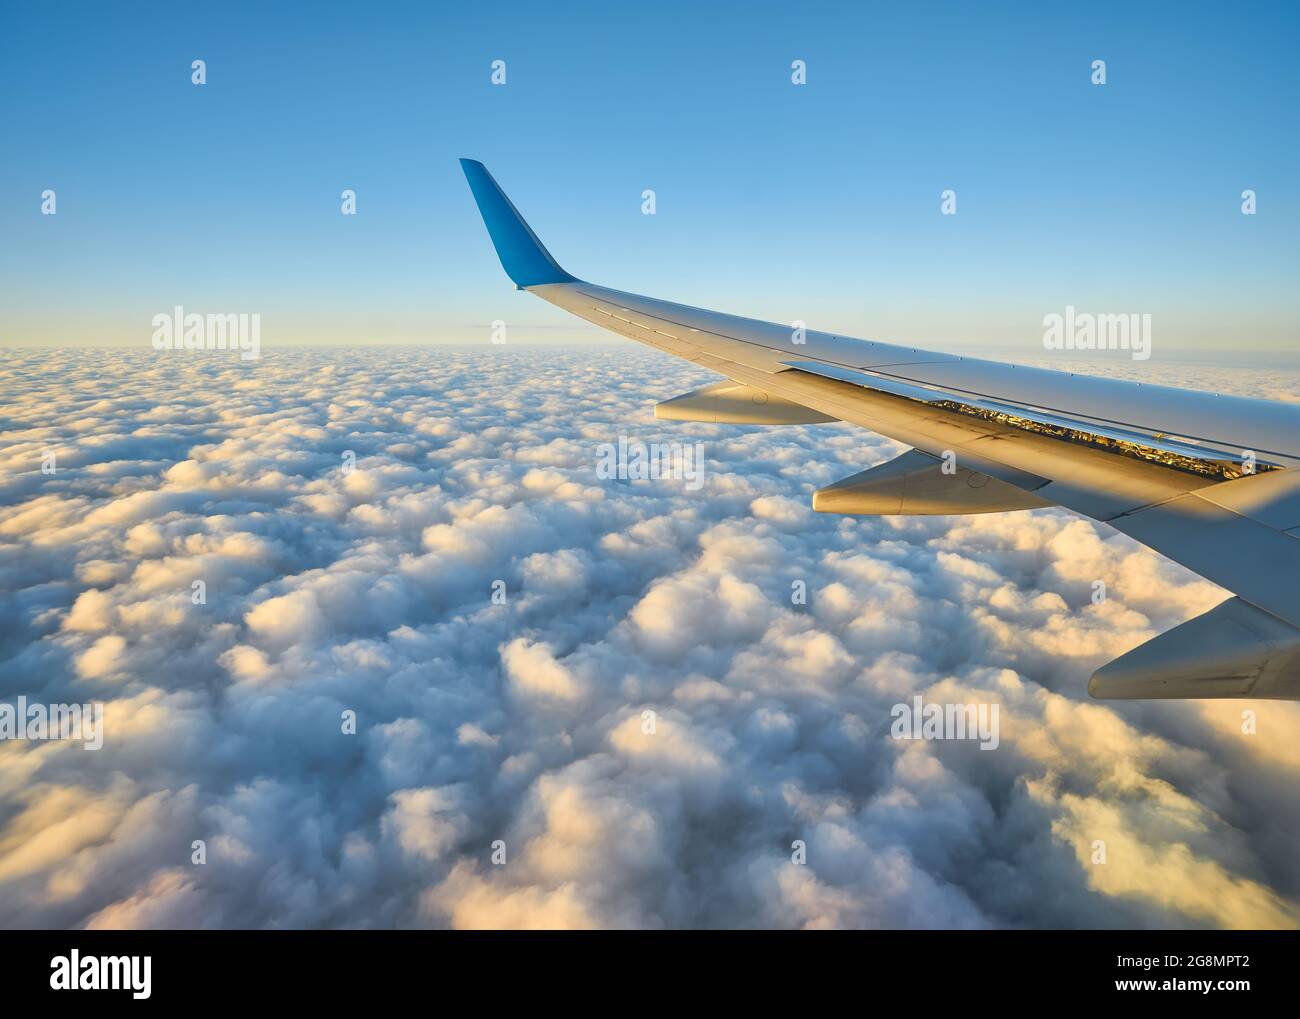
(524, 720)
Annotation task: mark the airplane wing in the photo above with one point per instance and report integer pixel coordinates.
(1211, 481)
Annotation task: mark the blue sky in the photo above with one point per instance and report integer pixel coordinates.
(818, 202)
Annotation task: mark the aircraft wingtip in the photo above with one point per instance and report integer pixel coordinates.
(524, 258)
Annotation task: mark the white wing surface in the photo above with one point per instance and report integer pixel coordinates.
(1210, 481)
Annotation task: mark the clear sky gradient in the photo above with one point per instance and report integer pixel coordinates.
(817, 202)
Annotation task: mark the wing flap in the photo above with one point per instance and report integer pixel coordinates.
(1159, 448)
(1244, 555)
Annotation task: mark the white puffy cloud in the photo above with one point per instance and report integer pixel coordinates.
(532, 671)
(643, 695)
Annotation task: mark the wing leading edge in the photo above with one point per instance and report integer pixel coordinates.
(1211, 481)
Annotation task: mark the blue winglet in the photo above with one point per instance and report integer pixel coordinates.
(522, 255)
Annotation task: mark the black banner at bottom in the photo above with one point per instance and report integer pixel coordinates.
(337, 968)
